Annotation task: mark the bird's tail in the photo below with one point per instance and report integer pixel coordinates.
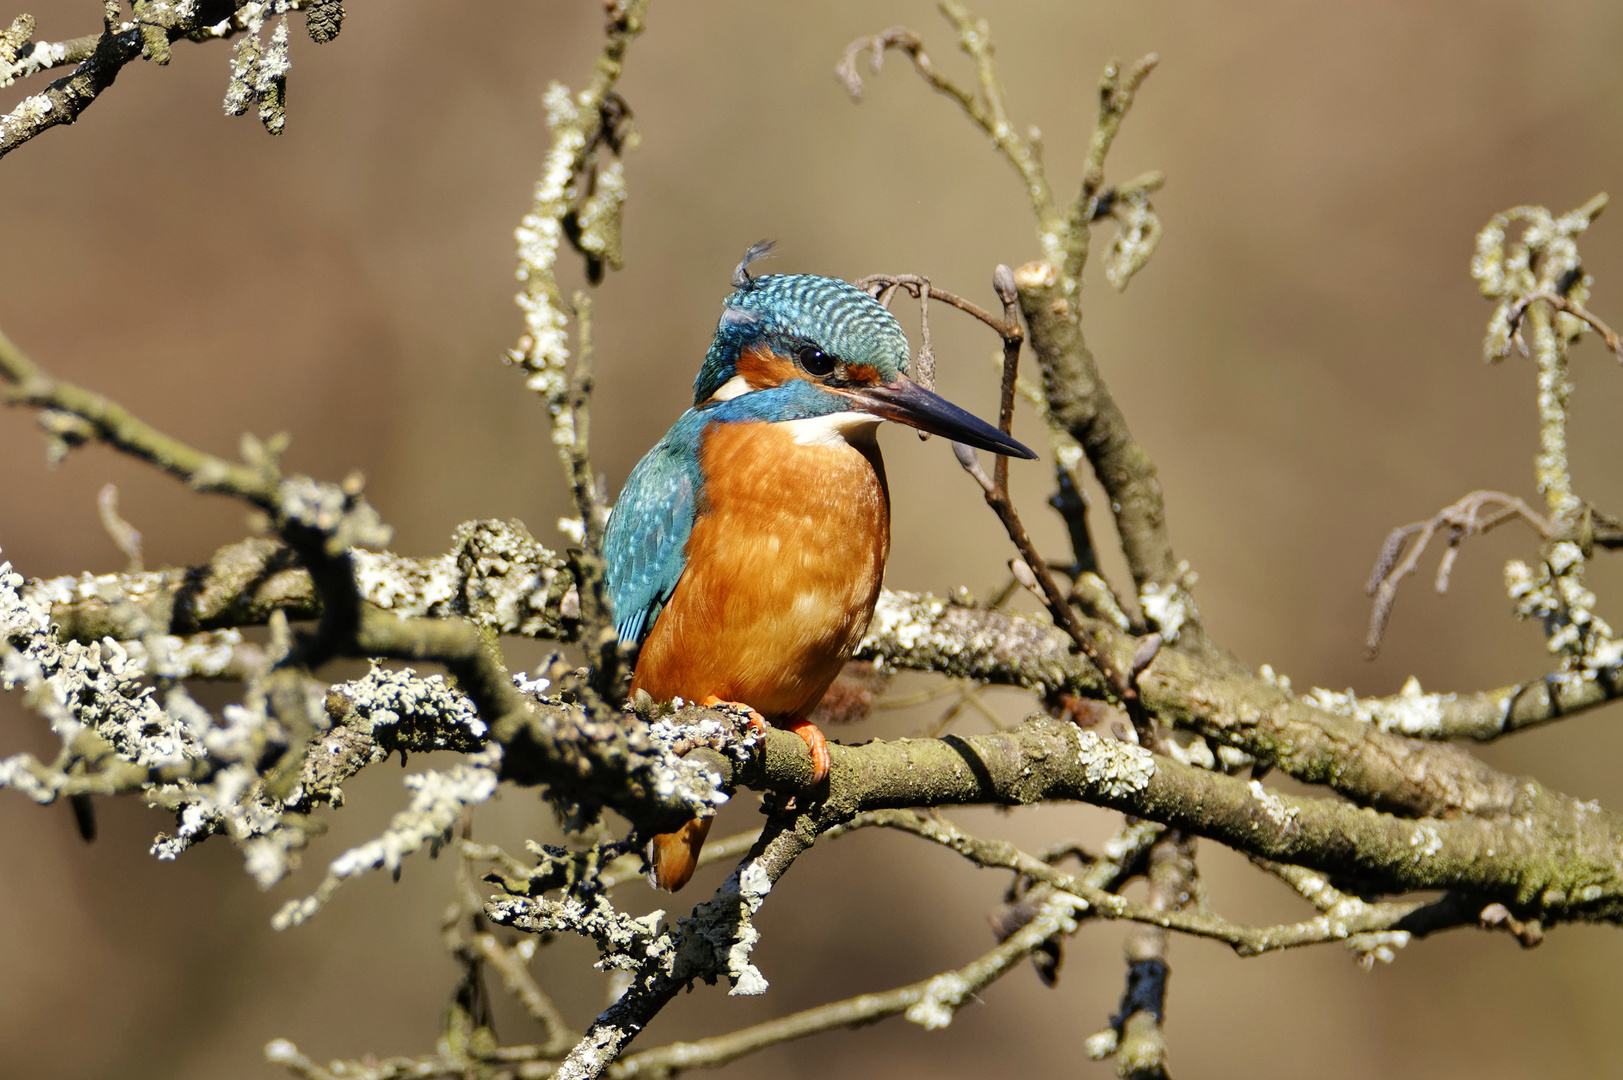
(673, 856)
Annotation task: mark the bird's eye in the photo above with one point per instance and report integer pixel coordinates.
(815, 361)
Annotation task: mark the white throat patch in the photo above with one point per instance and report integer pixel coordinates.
(733, 387)
(835, 429)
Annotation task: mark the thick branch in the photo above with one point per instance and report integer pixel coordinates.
(508, 584)
(1551, 856)
(1198, 692)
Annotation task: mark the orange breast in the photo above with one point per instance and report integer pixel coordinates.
(783, 568)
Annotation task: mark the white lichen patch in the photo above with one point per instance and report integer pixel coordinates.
(1380, 945)
(30, 110)
(544, 352)
(405, 586)
(346, 520)
(98, 686)
(626, 945)
(1190, 749)
(753, 886)
(389, 698)
(719, 938)
(98, 691)
(1113, 768)
(1411, 711)
(1100, 1044)
(903, 621)
(1169, 606)
(1273, 678)
(919, 632)
(496, 574)
(1556, 597)
(1426, 841)
(206, 656)
(44, 54)
(942, 996)
(1273, 806)
(1130, 840)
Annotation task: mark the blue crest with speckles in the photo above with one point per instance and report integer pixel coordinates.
(788, 311)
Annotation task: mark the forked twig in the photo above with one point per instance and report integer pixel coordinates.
(1473, 515)
(1031, 569)
(1567, 306)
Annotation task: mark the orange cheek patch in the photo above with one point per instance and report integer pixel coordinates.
(761, 368)
(863, 374)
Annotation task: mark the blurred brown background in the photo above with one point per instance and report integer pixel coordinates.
(1301, 357)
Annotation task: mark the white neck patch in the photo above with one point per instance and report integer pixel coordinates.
(733, 387)
(835, 429)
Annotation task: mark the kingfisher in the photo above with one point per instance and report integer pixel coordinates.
(747, 548)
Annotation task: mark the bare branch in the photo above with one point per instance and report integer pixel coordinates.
(1473, 515)
(110, 423)
(1569, 307)
(985, 107)
(1116, 94)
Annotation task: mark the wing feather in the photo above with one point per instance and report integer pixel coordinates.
(645, 543)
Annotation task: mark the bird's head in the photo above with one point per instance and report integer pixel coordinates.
(798, 347)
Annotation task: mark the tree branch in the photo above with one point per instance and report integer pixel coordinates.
(1081, 405)
(100, 58)
(1550, 854)
(506, 583)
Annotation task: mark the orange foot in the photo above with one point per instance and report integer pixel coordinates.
(756, 721)
(815, 742)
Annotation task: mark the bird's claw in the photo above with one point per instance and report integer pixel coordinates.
(808, 731)
(816, 743)
(755, 720)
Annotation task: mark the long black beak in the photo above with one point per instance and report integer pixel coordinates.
(906, 402)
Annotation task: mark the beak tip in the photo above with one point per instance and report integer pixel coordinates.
(908, 403)
(1021, 450)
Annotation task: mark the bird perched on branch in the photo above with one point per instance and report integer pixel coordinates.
(746, 550)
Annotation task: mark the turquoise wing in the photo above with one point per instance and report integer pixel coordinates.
(645, 543)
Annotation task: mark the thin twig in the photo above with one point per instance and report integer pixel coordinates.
(114, 425)
(1245, 940)
(997, 497)
(930, 1002)
(1570, 307)
(985, 108)
(1472, 515)
(915, 285)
